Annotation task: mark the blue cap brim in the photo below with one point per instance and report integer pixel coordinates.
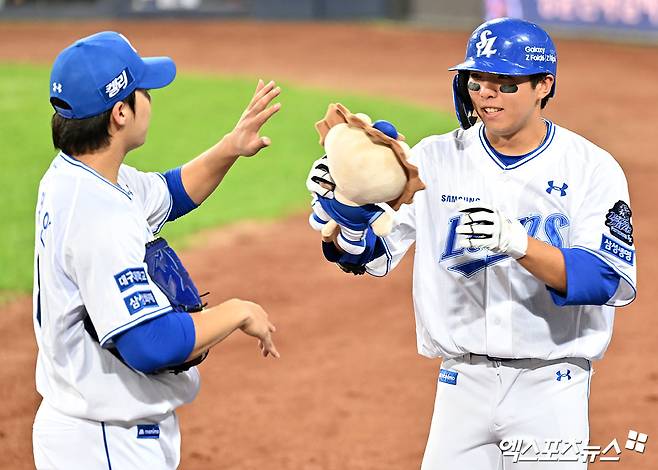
(499, 66)
(158, 72)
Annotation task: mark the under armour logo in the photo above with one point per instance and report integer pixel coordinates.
(561, 375)
(485, 45)
(636, 441)
(57, 87)
(562, 189)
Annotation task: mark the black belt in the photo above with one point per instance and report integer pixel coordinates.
(498, 359)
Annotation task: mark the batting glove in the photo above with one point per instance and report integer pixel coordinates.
(319, 180)
(485, 227)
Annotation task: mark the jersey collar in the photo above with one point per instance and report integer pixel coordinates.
(500, 159)
(77, 163)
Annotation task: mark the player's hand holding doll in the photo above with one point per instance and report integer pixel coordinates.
(364, 176)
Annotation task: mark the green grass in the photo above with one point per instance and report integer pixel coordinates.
(188, 116)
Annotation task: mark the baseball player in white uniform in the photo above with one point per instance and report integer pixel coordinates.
(118, 322)
(523, 249)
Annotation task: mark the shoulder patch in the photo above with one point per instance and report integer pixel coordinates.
(130, 277)
(625, 254)
(140, 300)
(619, 221)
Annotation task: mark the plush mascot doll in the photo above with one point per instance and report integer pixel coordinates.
(369, 164)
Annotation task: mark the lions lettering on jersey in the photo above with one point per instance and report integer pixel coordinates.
(552, 226)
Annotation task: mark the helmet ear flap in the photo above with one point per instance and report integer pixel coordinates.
(463, 104)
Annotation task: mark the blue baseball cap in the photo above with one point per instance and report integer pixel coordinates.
(96, 72)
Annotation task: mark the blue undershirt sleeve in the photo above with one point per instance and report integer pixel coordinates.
(590, 281)
(181, 201)
(165, 341)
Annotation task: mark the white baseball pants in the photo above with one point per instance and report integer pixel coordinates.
(62, 442)
(509, 415)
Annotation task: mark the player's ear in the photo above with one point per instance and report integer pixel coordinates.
(544, 86)
(119, 114)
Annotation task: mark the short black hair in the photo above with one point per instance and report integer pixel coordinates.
(534, 81)
(80, 136)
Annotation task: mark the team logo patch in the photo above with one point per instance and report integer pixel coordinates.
(139, 301)
(485, 45)
(448, 376)
(148, 431)
(563, 375)
(118, 83)
(625, 254)
(553, 187)
(619, 221)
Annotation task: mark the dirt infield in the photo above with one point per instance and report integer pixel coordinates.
(350, 392)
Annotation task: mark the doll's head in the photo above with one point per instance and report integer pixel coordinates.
(368, 161)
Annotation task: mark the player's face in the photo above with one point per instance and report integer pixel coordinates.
(142, 118)
(505, 104)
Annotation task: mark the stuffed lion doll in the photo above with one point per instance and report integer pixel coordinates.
(369, 165)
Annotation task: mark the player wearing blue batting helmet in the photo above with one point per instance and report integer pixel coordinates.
(523, 246)
(508, 47)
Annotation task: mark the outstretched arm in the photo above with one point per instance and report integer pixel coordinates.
(202, 175)
(215, 324)
(180, 337)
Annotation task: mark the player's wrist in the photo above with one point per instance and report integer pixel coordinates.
(518, 240)
(228, 146)
(237, 310)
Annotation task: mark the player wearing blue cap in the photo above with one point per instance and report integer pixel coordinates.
(119, 323)
(524, 247)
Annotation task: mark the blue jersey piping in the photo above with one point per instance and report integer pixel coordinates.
(79, 164)
(523, 159)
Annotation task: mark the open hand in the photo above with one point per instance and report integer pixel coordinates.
(245, 138)
(259, 326)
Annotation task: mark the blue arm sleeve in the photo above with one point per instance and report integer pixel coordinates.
(590, 281)
(374, 249)
(162, 342)
(181, 201)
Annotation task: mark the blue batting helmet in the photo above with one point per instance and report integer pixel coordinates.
(505, 46)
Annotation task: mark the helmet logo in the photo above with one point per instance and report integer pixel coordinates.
(485, 46)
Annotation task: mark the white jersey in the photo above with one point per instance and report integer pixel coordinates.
(89, 261)
(568, 192)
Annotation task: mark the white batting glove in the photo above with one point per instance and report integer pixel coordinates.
(319, 181)
(485, 227)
